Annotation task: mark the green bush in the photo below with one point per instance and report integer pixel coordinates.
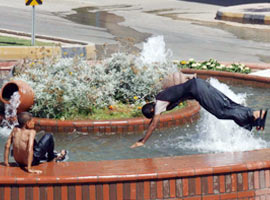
(67, 88)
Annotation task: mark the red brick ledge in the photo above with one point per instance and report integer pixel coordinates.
(253, 66)
(7, 65)
(186, 114)
(245, 78)
(139, 169)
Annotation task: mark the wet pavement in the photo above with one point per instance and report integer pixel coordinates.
(189, 27)
(94, 16)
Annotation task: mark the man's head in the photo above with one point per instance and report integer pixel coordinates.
(24, 118)
(148, 110)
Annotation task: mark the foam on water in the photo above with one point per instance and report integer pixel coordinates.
(215, 135)
(10, 112)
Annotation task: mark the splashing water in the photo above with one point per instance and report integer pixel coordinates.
(10, 112)
(154, 51)
(212, 135)
(224, 135)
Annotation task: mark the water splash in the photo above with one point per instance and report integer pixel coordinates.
(10, 113)
(212, 135)
(224, 135)
(154, 51)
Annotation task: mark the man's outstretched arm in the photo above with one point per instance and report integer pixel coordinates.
(151, 128)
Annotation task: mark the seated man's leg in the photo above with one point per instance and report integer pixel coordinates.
(45, 145)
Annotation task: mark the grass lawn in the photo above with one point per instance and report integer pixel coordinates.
(14, 41)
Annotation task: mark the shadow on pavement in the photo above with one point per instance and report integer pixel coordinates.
(228, 2)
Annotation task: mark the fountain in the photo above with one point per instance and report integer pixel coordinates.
(230, 175)
(10, 119)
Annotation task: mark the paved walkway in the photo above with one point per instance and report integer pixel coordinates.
(222, 40)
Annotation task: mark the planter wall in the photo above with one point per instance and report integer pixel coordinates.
(184, 115)
(246, 79)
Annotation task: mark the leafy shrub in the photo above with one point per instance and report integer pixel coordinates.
(66, 88)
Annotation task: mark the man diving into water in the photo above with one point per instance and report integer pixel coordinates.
(208, 97)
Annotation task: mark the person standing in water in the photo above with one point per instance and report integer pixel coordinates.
(208, 97)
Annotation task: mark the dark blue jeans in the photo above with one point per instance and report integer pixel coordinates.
(210, 99)
(44, 149)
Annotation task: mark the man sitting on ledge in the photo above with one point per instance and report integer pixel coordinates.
(208, 97)
(26, 150)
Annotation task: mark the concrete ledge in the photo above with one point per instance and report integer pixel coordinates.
(241, 175)
(243, 18)
(39, 52)
(246, 13)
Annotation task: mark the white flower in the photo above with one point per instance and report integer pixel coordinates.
(175, 61)
(198, 64)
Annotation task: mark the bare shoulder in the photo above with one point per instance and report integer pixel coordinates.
(23, 133)
(15, 131)
(31, 132)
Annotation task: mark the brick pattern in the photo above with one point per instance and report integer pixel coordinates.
(185, 115)
(244, 185)
(246, 79)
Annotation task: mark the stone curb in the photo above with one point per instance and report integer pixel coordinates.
(243, 18)
(38, 52)
(71, 48)
(251, 13)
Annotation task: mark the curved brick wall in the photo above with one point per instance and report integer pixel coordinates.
(187, 114)
(240, 175)
(232, 77)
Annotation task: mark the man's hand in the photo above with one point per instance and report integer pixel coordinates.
(152, 126)
(6, 164)
(34, 171)
(137, 144)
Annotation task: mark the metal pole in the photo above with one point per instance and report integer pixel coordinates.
(33, 25)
